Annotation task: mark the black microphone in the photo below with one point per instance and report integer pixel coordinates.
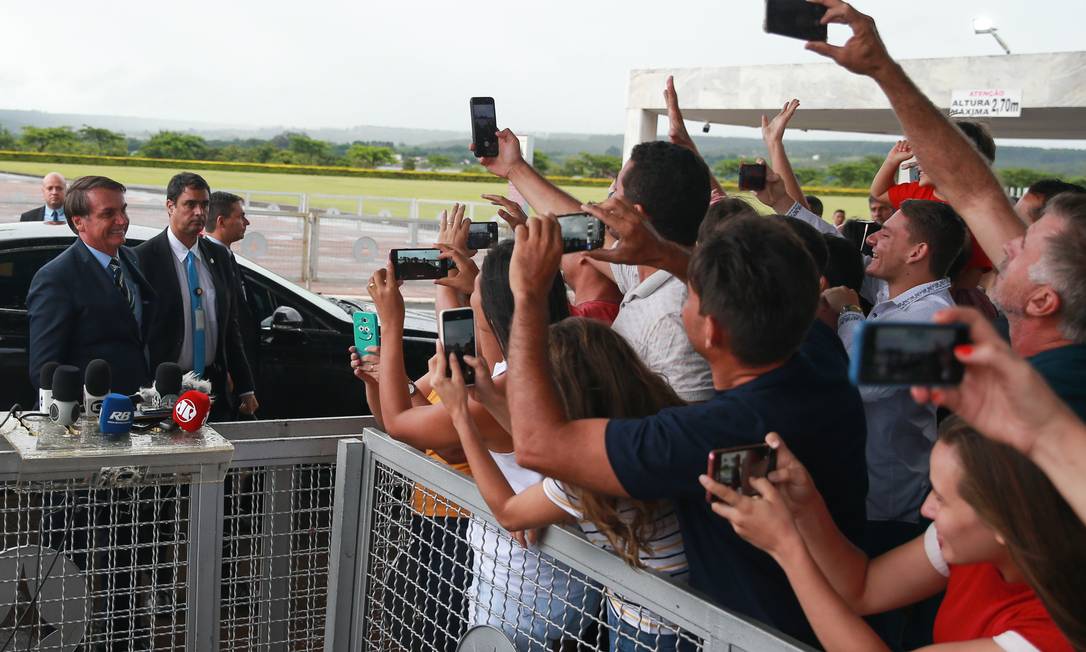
(64, 410)
(45, 386)
(97, 381)
(168, 384)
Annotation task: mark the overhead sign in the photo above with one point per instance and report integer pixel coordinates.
(986, 103)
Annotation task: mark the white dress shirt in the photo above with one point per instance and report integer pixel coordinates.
(211, 325)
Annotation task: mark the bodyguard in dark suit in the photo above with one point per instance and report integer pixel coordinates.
(53, 188)
(92, 301)
(195, 323)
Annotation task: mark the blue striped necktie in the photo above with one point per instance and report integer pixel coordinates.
(119, 283)
(196, 311)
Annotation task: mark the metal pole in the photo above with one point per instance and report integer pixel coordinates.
(204, 566)
(343, 562)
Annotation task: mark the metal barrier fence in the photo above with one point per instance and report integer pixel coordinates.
(418, 563)
(141, 558)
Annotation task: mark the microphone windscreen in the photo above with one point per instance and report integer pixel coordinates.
(168, 379)
(191, 410)
(67, 385)
(45, 378)
(116, 418)
(98, 378)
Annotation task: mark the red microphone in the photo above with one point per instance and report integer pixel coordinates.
(191, 410)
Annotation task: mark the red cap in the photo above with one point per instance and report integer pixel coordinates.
(191, 410)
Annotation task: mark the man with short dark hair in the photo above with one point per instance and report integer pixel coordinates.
(92, 301)
(1031, 205)
(226, 224)
(196, 324)
(751, 298)
(880, 210)
(52, 191)
(815, 203)
(670, 185)
(839, 219)
(912, 253)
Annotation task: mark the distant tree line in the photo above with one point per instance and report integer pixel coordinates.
(300, 149)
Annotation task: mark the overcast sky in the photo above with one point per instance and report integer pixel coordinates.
(553, 66)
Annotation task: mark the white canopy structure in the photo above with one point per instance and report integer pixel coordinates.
(1048, 89)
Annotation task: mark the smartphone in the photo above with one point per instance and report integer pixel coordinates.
(484, 127)
(418, 264)
(914, 174)
(367, 333)
(456, 328)
(795, 18)
(752, 176)
(735, 467)
(904, 354)
(482, 235)
(581, 232)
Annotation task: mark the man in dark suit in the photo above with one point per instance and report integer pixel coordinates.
(52, 191)
(92, 301)
(195, 321)
(226, 224)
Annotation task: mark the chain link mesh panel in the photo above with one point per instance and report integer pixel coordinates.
(93, 568)
(276, 536)
(435, 571)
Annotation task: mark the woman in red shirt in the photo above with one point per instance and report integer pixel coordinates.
(1004, 545)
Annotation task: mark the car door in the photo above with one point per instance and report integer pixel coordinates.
(302, 367)
(18, 265)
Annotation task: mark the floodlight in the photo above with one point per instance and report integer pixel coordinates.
(985, 25)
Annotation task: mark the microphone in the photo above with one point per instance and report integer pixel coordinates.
(45, 385)
(64, 410)
(167, 384)
(96, 386)
(116, 418)
(191, 410)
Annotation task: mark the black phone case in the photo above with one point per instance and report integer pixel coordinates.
(795, 19)
(485, 144)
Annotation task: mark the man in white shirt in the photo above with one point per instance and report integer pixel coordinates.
(911, 253)
(53, 188)
(197, 325)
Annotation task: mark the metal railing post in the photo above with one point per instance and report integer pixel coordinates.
(204, 566)
(275, 571)
(343, 560)
(307, 234)
(314, 245)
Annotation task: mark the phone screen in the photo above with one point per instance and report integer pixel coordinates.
(909, 354)
(735, 467)
(752, 176)
(482, 235)
(795, 18)
(580, 232)
(484, 126)
(458, 336)
(418, 264)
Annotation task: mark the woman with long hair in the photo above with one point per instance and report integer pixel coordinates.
(1003, 544)
(598, 376)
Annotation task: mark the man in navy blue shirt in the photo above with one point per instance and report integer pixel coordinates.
(753, 290)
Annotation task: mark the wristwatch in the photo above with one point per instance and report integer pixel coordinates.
(852, 307)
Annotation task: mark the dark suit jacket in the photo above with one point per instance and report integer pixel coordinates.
(76, 315)
(35, 215)
(250, 330)
(168, 330)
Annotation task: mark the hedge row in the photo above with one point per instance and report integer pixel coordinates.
(322, 170)
(279, 168)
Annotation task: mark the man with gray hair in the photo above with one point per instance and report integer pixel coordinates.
(53, 188)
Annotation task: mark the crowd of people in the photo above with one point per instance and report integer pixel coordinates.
(895, 518)
(603, 380)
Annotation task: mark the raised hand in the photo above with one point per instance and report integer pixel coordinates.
(364, 365)
(864, 52)
(899, 153)
(453, 229)
(451, 389)
(461, 279)
(676, 131)
(384, 289)
(764, 521)
(508, 158)
(773, 130)
(537, 255)
(638, 241)
(508, 210)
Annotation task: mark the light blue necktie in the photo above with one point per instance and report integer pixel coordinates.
(195, 308)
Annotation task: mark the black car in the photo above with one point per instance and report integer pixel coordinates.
(301, 369)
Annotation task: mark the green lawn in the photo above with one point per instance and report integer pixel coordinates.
(313, 185)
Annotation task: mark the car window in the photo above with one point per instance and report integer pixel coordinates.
(17, 269)
(264, 298)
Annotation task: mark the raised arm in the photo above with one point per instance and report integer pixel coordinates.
(638, 242)
(541, 194)
(886, 177)
(773, 135)
(543, 437)
(678, 135)
(529, 509)
(954, 165)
